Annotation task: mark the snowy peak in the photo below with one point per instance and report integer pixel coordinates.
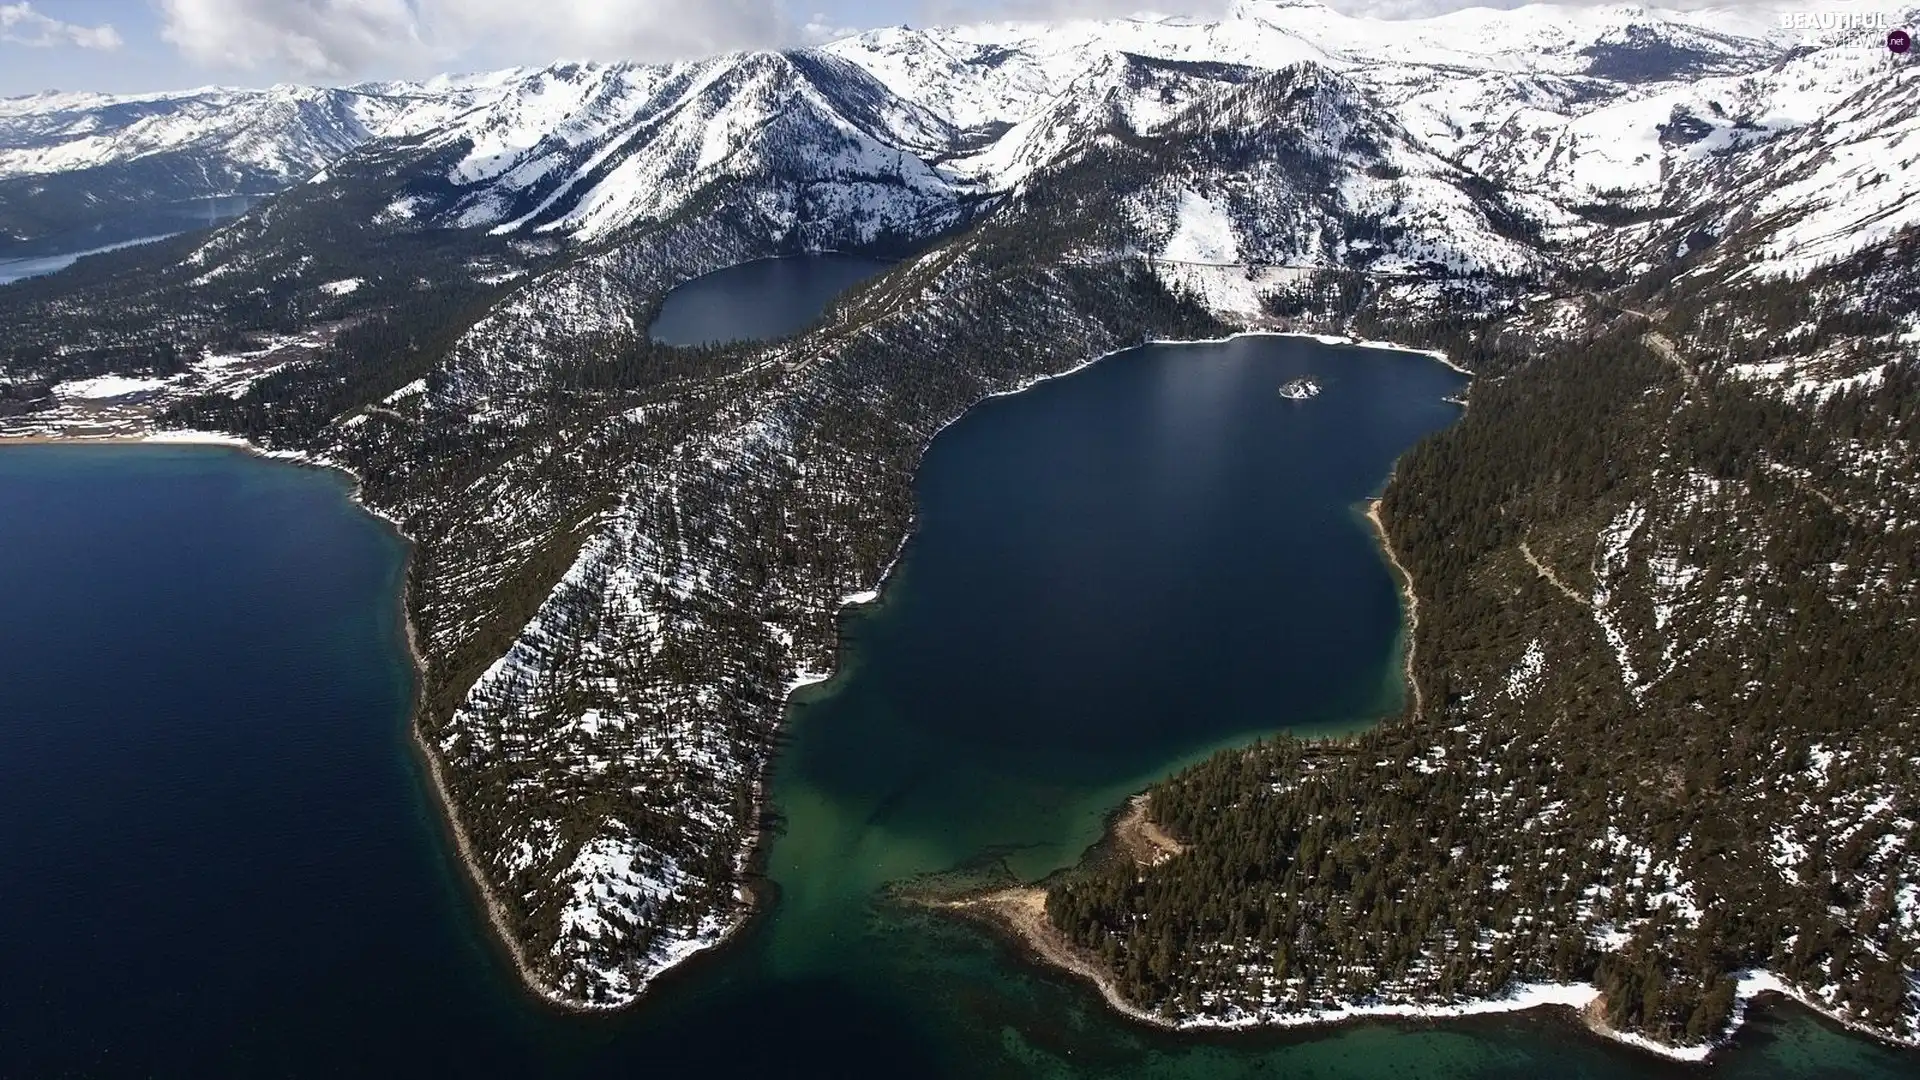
(1119, 94)
(1657, 52)
(284, 131)
(849, 92)
(1562, 108)
(1297, 170)
(1305, 102)
(588, 150)
(974, 85)
(120, 154)
(1615, 42)
(1814, 193)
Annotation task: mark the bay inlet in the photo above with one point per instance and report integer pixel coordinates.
(225, 858)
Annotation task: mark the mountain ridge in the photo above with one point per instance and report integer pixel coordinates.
(960, 82)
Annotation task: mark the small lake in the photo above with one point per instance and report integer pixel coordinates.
(221, 860)
(760, 300)
(45, 255)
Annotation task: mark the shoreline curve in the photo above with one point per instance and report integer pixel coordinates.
(481, 888)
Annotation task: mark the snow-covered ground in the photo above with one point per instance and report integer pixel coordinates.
(1579, 997)
(109, 386)
(898, 124)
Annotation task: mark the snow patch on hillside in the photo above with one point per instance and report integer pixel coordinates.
(1526, 672)
(102, 387)
(1202, 232)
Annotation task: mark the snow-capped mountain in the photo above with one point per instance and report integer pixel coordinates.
(896, 121)
(67, 160)
(1837, 176)
(587, 150)
(1568, 111)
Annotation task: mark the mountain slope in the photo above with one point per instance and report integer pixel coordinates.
(584, 150)
(68, 160)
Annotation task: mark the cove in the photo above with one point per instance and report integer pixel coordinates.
(222, 858)
(759, 300)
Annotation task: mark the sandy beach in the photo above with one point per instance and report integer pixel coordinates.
(1413, 601)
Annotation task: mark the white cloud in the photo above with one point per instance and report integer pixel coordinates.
(823, 28)
(22, 25)
(333, 38)
(307, 37)
(614, 29)
(934, 12)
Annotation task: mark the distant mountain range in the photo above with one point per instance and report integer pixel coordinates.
(1560, 115)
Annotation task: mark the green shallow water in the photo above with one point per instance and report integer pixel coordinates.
(231, 866)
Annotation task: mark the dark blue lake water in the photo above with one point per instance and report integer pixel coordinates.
(218, 857)
(761, 300)
(31, 258)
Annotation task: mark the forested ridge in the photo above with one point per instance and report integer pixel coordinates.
(623, 551)
(1689, 754)
(572, 508)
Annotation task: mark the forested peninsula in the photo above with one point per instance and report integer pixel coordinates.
(1666, 747)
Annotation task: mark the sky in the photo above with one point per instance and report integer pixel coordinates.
(128, 46)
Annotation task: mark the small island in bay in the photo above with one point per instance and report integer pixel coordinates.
(1300, 389)
(1418, 868)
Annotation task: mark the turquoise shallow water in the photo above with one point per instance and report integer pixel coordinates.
(220, 857)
